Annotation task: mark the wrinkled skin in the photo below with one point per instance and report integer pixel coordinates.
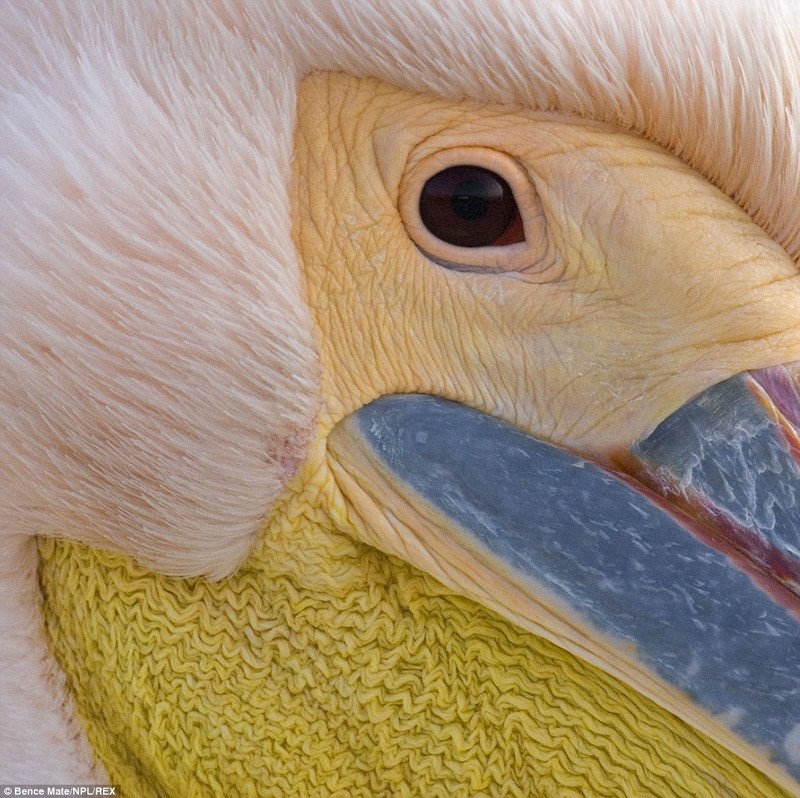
(644, 284)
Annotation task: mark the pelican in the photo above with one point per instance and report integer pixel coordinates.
(400, 398)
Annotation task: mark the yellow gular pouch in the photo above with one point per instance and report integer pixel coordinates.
(325, 667)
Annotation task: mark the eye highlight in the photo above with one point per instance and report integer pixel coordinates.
(475, 209)
(469, 206)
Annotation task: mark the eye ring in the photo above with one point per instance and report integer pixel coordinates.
(453, 228)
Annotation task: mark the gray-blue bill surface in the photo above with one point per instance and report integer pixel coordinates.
(616, 558)
(723, 453)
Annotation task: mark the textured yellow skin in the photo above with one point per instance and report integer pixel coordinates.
(657, 285)
(326, 668)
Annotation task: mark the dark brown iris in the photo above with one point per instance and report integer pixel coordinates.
(469, 206)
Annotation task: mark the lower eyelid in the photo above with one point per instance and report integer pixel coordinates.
(455, 265)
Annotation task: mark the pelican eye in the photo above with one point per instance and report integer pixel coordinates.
(475, 209)
(469, 206)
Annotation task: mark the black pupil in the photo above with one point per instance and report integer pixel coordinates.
(467, 206)
(472, 198)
